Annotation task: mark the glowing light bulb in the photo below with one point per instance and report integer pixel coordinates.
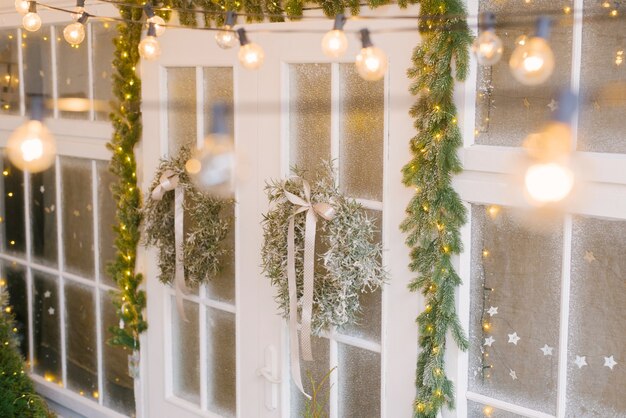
(31, 21)
(78, 12)
(159, 24)
(532, 62)
(487, 46)
(250, 55)
(149, 47)
(74, 33)
(619, 57)
(21, 6)
(371, 62)
(548, 183)
(335, 42)
(227, 37)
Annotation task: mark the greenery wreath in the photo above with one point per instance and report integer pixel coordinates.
(202, 249)
(347, 262)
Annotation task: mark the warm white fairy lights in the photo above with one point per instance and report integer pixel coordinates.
(335, 42)
(74, 33)
(31, 20)
(488, 46)
(532, 62)
(226, 38)
(250, 55)
(149, 47)
(371, 63)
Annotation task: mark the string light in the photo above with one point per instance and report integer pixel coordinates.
(250, 55)
(31, 20)
(619, 57)
(227, 37)
(532, 62)
(487, 46)
(159, 23)
(21, 6)
(74, 33)
(78, 10)
(488, 411)
(31, 147)
(371, 63)
(149, 47)
(335, 42)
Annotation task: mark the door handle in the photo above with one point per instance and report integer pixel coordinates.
(272, 379)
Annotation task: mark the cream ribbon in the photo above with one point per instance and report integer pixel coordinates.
(327, 212)
(167, 182)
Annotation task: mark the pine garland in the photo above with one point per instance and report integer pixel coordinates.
(436, 213)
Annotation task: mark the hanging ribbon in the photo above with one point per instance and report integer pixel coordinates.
(168, 182)
(327, 212)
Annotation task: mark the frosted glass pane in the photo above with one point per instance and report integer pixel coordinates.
(103, 34)
(13, 219)
(186, 352)
(43, 207)
(218, 88)
(309, 115)
(106, 219)
(77, 216)
(181, 107)
(222, 287)
(316, 369)
(221, 359)
(506, 110)
(46, 327)
(15, 277)
(476, 410)
(359, 382)
(369, 323)
(81, 349)
(119, 391)
(603, 84)
(37, 59)
(514, 312)
(362, 134)
(597, 318)
(9, 74)
(72, 72)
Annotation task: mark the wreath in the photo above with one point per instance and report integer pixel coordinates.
(347, 262)
(206, 229)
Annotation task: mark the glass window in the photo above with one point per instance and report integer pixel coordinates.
(37, 64)
(72, 79)
(9, 73)
(103, 47)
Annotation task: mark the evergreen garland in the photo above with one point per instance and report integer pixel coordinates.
(17, 394)
(435, 214)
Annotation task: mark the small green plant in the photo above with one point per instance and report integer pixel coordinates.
(316, 406)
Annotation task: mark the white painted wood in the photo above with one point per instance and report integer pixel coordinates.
(505, 406)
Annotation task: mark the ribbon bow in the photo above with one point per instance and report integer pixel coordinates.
(167, 182)
(312, 210)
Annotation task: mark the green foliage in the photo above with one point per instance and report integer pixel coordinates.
(202, 248)
(436, 213)
(316, 406)
(17, 394)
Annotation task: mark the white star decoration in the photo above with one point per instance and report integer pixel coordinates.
(489, 341)
(46, 294)
(493, 311)
(51, 311)
(513, 338)
(581, 361)
(553, 105)
(513, 374)
(589, 257)
(609, 362)
(547, 350)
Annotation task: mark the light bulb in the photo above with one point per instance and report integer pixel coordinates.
(159, 24)
(74, 33)
(532, 62)
(250, 55)
(31, 21)
(334, 43)
(78, 12)
(149, 47)
(212, 167)
(31, 147)
(21, 6)
(488, 48)
(371, 62)
(226, 38)
(548, 182)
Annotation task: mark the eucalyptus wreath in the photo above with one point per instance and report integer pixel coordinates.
(347, 261)
(205, 226)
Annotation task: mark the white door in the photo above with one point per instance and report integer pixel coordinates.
(298, 108)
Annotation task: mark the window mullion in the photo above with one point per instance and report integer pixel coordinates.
(53, 54)
(61, 263)
(576, 71)
(96, 258)
(20, 69)
(90, 74)
(29, 272)
(335, 109)
(333, 382)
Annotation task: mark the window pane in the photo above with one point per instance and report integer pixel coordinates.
(597, 317)
(514, 312)
(309, 115)
(315, 370)
(222, 287)
(506, 110)
(14, 276)
(9, 73)
(476, 410)
(72, 74)
(603, 84)
(218, 88)
(46, 327)
(362, 134)
(37, 59)
(13, 219)
(106, 220)
(119, 390)
(186, 352)
(44, 217)
(221, 356)
(102, 49)
(181, 107)
(77, 216)
(80, 319)
(359, 382)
